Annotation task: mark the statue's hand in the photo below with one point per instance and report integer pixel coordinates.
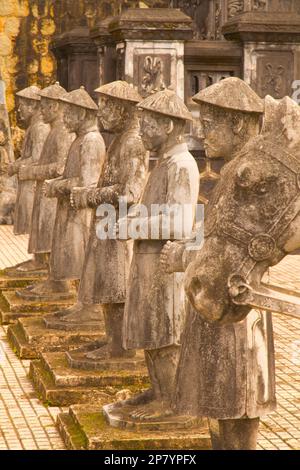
(12, 169)
(46, 189)
(171, 257)
(79, 198)
(24, 173)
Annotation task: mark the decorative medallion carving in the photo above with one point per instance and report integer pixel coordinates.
(153, 80)
(260, 5)
(152, 72)
(235, 7)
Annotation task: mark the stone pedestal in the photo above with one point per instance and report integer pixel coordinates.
(60, 385)
(17, 281)
(12, 307)
(271, 45)
(76, 56)
(145, 47)
(85, 427)
(29, 338)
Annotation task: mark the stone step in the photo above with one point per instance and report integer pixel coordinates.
(8, 282)
(29, 338)
(85, 427)
(12, 307)
(18, 343)
(59, 385)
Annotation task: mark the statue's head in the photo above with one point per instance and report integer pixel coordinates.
(80, 110)
(51, 106)
(116, 104)
(163, 120)
(28, 104)
(230, 114)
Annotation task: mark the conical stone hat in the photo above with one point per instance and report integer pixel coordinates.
(80, 98)
(53, 92)
(121, 90)
(166, 102)
(30, 93)
(231, 93)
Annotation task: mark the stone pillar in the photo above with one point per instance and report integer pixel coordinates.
(144, 47)
(269, 31)
(76, 56)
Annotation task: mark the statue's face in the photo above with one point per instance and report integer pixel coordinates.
(49, 109)
(218, 132)
(111, 113)
(73, 117)
(25, 111)
(153, 131)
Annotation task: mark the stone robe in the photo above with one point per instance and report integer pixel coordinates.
(154, 310)
(107, 262)
(227, 372)
(51, 165)
(34, 140)
(71, 230)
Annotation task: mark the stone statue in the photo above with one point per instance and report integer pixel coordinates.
(83, 168)
(107, 261)
(154, 311)
(50, 165)
(7, 183)
(226, 370)
(30, 118)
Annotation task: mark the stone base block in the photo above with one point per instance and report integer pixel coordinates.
(14, 281)
(60, 385)
(120, 417)
(12, 307)
(56, 322)
(77, 360)
(29, 338)
(85, 428)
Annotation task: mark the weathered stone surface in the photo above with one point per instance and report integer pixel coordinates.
(85, 427)
(11, 280)
(121, 418)
(29, 338)
(79, 360)
(154, 311)
(243, 246)
(13, 307)
(57, 383)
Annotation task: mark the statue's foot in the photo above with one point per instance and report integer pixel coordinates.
(27, 267)
(153, 411)
(47, 289)
(68, 311)
(107, 352)
(139, 399)
(83, 314)
(32, 265)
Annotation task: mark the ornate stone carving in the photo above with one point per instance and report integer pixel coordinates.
(153, 80)
(274, 72)
(260, 5)
(235, 7)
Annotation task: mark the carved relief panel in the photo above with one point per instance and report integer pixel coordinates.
(275, 73)
(152, 73)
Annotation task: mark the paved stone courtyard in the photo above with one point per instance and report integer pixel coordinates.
(26, 424)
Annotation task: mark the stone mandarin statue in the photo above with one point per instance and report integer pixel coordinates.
(154, 311)
(83, 168)
(226, 373)
(50, 165)
(107, 261)
(30, 118)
